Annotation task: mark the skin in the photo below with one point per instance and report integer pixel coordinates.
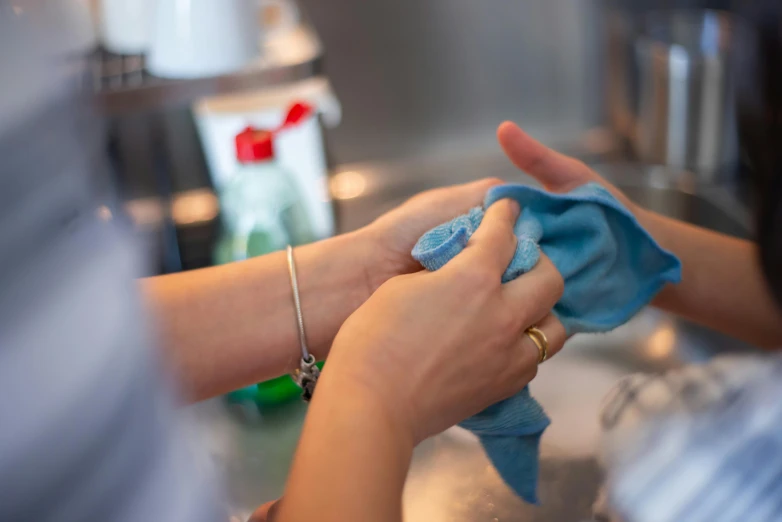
(722, 286)
(229, 326)
(424, 352)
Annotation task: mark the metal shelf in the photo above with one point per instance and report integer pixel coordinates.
(121, 83)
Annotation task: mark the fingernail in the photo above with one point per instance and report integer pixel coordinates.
(515, 207)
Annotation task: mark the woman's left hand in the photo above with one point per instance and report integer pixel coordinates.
(387, 243)
(391, 237)
(230, 326)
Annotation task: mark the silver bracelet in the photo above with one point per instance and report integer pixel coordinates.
(306, 375)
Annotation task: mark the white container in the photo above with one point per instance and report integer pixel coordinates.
(126, 25)
(299, 150)
(201, 38)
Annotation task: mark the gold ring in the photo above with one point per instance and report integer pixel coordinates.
(540, 340)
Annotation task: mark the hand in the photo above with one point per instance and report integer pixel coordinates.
(557, 172)
(713, 265)
(432, 348)
(391, 237)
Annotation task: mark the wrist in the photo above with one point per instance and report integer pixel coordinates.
(347, 436)
(363, 249)
(349, 397)
(332, 285)
(653, 223)
(375, 266)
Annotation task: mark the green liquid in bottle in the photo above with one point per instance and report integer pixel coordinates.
(262, 213)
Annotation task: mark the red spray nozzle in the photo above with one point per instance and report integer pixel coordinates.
(258, 145)
(298, 112)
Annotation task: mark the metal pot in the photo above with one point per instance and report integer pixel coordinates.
(671, 89)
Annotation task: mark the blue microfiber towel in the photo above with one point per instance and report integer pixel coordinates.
(611, 266)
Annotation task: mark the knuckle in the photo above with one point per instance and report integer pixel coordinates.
(553, 284)
(536, 160)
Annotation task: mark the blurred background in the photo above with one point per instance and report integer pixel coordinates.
(403, 87)
(235, 127)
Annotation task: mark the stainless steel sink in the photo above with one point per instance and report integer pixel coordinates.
(451, 479)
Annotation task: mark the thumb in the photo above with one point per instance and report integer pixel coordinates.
(557, 172)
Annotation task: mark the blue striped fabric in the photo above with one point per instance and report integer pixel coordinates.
(720, 462)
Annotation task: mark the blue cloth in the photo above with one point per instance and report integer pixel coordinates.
(611, 266)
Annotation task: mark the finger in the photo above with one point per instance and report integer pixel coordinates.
(555, 334)
(442, 204)
(535, 293)
(492, 246)
(525, 355)
(459, 198)
(555, 171)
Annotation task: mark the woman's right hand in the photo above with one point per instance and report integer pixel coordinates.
(723, 286)
(554, 170)
(432, 348)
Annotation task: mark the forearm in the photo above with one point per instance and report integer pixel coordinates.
(233, 325)
(722, 283)
(351, 463)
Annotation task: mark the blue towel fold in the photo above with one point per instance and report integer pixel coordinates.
(611, 266)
